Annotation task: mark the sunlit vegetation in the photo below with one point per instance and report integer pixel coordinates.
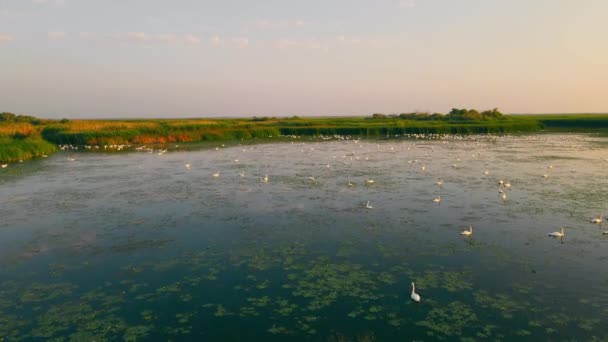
(20, 138)
(24, 136)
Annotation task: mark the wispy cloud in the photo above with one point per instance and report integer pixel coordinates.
(308, 44)
(277, 24)
(142, 38)
(56, 35)
(239, 43)
(6, 38)
(406, 3)
(335, 42)
(348, 40)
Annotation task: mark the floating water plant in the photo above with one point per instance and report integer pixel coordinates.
(450, 320)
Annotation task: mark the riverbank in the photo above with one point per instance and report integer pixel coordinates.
(35, 138)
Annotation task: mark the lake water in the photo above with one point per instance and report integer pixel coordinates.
(134, 246)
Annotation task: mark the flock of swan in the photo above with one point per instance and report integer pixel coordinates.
(503, 186)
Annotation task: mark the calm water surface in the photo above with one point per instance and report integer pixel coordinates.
(134, 246)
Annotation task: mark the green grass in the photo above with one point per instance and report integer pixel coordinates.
(23, 140)
(168, 131)
(12, 150)
(571, 122)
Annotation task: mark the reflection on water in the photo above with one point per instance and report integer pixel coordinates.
(140, 246)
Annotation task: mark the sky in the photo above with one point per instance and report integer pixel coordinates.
(199, 58)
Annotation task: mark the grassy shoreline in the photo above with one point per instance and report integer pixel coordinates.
(25, 140)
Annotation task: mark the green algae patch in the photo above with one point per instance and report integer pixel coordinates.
(451, 320)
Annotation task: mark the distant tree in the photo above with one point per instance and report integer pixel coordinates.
(7, 117)
(28, 118)
(415, 116)
(492, 114)
(455, 112)
(64, 120)
(471, 115)
(379, 116)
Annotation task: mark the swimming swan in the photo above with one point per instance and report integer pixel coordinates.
(467, 232)
(598, 220)
(415, 296)
(558, 234)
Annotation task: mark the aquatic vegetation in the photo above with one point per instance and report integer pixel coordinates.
(284, 308)
(221, 311)
(248, 311)
(451, 281)
(323, 283)
(588, 324)
(450, 320)
(259, 301)
(39, 292)
(506, 305)
(12, 328)
(136, 333)
(279, 330)
(148, 315)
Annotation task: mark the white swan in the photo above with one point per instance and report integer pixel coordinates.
(369, 181)
(369, 206)
(558, 234)
(216, 174)
(4, 166)
(264, 179)
(486, 172)
(415, 297)
(503, 196)
(438, 199)
(440, 182)
(598, 220)
(188, 166)
(242, 174)
(312, 178)
(501, 182)
(467, 232)
(508, 185)
(349, 183)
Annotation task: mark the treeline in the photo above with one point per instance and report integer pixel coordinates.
(455, 114)
(14, 118)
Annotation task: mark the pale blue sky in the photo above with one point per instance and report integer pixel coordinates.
(161, 58)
